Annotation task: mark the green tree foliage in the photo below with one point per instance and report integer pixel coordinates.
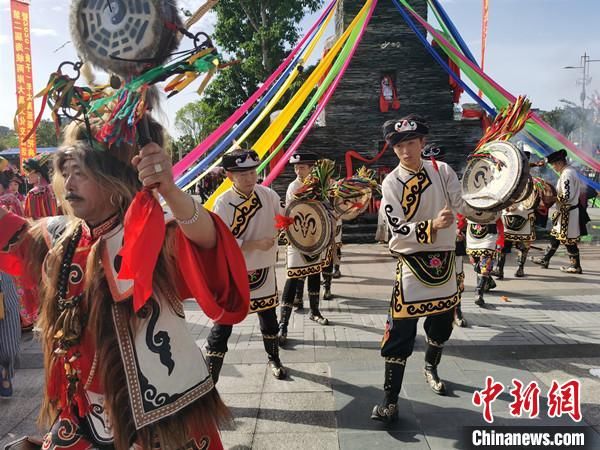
(45, 136)
(257, 35)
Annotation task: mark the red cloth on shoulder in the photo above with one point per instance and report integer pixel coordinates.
(10, 263)
(217, 278)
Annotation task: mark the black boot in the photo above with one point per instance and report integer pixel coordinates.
(336, 271)
(298, 300)
(394, 373)
(574, 266)
(459, 319)
(433, 355)
(271, 344)
(284, 320)
(498, 272)
(481, 282)
(544, 261)
(327, 295)
(315, 314)
(490, 284)
(521, 258)
(215, 363)
(287, 299)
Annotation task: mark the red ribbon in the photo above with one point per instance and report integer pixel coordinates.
(144, 234)
(434, 162)
(500, 240)
(354, 154)
(282, 222)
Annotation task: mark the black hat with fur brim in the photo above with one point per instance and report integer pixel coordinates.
(405, 129)
(560, 155)
(240, 161)
(304, 158)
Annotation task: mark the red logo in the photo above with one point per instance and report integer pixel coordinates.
(565, 400)
(487, 396)
(527, 400)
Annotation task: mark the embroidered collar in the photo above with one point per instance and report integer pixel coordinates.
(411, 171)
(241, 194)
(103, 228)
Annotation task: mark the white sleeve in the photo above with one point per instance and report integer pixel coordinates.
(453, 187)
(225, 213)
(568, 191)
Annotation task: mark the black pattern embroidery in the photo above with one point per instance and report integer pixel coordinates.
(396, 293)
(479, 231)
(75, 274)
(412, 192)
(257, 278)
(515, 222)
(244, 212)
(431, 268)
(423, 232)
(395, 223)
(159, 343)
(261, 304)
(432, 306)
(565, 195)
(64, 433)
(302, 272)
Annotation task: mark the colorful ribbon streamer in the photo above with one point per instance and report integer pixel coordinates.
(203, 147)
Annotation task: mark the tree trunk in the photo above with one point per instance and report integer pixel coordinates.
(264, 44)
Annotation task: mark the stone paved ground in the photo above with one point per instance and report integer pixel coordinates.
(541, 328)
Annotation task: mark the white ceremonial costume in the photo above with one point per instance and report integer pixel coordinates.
(566, 219)
(298, 264)
(482, 237)
(426, 271)
(253, 218)
(519, 223)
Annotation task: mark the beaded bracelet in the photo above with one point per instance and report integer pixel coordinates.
(192, 219)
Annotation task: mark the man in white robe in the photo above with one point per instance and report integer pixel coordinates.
(249, 210)
(419, 198)
(566, 227)
(300, 266)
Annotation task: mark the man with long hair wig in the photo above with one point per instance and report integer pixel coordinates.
(118, 373)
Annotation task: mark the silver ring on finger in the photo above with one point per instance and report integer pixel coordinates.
(158, 168)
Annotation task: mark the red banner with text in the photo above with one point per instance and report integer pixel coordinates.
(19, 11)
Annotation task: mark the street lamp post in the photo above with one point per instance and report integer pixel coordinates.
(585, 65)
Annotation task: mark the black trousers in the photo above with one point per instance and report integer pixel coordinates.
(522, 246)
(572, 249)
(399, 338)
(291, 285)
(219, 334)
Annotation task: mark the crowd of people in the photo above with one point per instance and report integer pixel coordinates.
(122, 368)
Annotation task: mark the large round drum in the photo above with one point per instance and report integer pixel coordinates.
(123, 36)
(527, 191)
(312, 230)
(481, 217)
(496, 177)
(533, 199)
(351, 208)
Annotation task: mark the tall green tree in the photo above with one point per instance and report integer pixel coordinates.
(257, 34)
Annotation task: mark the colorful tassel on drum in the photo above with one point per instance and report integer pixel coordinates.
(509, 121)
(355, 187)
(317, 185)
(61, 94)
